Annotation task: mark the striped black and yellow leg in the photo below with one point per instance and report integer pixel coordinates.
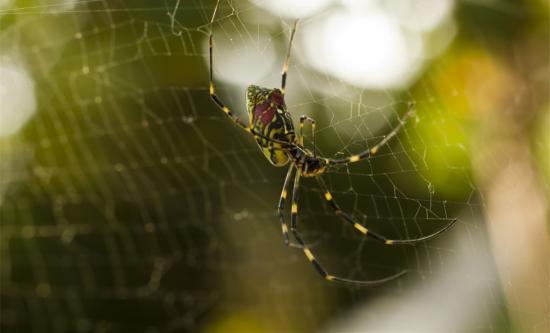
(287, 59)
(215, 97)
(229, 113)
(294, 206)
(301, 137)
(309, 253)
(372, 151)
(371, 234)
(281, 205)
(329, 277)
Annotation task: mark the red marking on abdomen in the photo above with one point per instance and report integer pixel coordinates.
(265, 112)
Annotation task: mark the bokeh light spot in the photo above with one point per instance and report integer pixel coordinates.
(17, 96)
(366, 50)
(291, 8)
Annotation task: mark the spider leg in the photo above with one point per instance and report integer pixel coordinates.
(347, 218)
(301, 137)
(215, 98)
(372, 151)
(309, 254)
(287, 59)
(228, 111)
(281, 206)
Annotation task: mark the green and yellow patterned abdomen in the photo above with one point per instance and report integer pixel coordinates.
(268, 116)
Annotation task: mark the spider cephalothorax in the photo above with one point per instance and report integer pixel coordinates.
(271, 125)
(313, 166)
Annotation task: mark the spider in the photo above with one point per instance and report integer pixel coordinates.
(271, 126)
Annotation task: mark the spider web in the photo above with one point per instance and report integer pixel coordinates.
(131, 203)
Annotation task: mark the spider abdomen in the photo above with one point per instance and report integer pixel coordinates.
(268, 116)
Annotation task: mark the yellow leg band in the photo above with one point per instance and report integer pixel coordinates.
(360, 228)
(354, 158)
(308, 254)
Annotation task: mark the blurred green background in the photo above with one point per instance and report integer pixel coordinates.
(130, 203)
